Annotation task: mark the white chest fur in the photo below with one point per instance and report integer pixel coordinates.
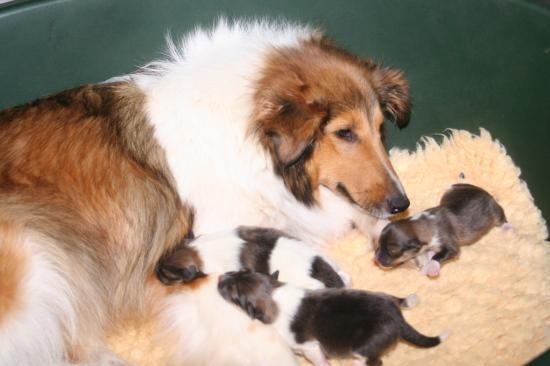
(200, 104)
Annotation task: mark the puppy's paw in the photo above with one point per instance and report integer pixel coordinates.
(183, 265)
(509, 228)
(411, 301)
(346, 278)
(444, 335)
(432, 268)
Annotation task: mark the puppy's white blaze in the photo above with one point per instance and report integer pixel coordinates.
(34, 333)
(433, 245)
(200, 102)
(294, 259)
(205, 329)
(219, 252)
(288, 299)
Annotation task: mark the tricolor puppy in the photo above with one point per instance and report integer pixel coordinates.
(465, 214)
(340, 323)
(258, 249)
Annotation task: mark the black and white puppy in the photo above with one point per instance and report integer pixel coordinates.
(259, 249)
(464, 215)
(340, 323)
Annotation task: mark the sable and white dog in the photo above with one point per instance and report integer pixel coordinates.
(245, 124)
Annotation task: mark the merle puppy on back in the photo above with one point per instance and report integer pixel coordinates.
(465, 214)
(340, 323)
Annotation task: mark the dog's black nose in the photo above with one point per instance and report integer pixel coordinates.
(398, 204)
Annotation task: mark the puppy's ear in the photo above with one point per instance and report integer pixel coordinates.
(392, 90)
(275, 275)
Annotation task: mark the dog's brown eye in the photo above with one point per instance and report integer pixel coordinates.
(346, 134)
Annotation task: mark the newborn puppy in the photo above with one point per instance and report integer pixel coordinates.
(258, 249)
(465, 214)
(342, 323)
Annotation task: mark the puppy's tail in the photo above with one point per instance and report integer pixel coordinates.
(411, 335)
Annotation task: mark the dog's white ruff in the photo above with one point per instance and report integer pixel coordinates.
(200, 102)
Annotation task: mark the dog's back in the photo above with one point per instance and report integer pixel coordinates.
(85, 202)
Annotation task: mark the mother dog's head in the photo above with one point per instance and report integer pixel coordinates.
(319, 112)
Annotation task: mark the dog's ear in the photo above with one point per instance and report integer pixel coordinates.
(392, 90)
(288, 118)
(288, 148)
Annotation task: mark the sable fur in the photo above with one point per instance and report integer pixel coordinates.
(300, 96)
(86, 188)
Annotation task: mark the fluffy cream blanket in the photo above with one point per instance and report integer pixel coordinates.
(495, 299)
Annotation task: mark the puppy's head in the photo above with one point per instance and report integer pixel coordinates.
(251, 291)
(181, 265)
(319, 112)
(398, 242)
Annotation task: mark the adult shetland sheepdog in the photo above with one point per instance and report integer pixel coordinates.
(245, 124)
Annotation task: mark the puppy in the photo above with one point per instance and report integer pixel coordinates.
(464, 215)
(339, 322)
(259, 249)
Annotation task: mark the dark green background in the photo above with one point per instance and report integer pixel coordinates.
(470, 63)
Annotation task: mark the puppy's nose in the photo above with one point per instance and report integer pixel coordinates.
(398, 204)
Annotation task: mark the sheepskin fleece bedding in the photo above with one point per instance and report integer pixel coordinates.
(495, 299)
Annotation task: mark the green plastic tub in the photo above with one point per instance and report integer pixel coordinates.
(470, 63)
